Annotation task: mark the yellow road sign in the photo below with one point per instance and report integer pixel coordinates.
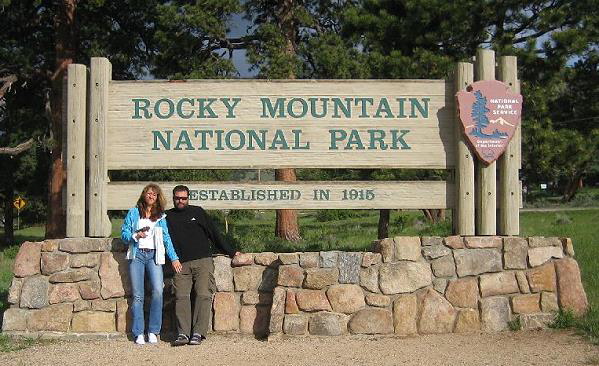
(19, 203)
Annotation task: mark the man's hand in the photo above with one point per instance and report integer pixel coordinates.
(177, 266)
(236, 254)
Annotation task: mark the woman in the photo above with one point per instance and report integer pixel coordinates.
(146, 233)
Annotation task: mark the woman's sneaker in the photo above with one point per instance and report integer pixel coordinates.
(181, 340)
(140, 339)
(152, 338)
(196, 339)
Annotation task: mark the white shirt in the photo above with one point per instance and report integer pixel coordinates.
(148, 241)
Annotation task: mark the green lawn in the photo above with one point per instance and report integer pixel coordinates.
(355, 231)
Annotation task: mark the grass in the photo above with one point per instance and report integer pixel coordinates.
(11, 344)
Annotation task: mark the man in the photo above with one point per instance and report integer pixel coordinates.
(192, 232)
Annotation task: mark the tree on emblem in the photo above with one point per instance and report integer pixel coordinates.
(479, 115)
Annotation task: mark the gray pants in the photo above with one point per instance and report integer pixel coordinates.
(199, 275)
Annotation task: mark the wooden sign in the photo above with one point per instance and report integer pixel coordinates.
(490, 114)
(206, 124)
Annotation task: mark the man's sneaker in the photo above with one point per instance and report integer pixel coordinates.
(140, 339)
(181, 340)
(152, 338)
(196, 339)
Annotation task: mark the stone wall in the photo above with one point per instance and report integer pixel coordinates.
(407, 285)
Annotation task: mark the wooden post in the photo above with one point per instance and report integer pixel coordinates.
(75, 148)
(463, 212)
(99, 223)
(486, 216)
(509, 163)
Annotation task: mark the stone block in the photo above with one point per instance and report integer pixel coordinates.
(226, 311)
(571, 293)
(27, 261)
(14, 293)
(405, 313)
(34, 293)
(443, 266)
(88, 260)
(371, 321)
(522, 282)
(515, 253)
(63, 292)
(289, 258)
(54, 262)
(440, 285)
(435, 251)
(247, 278)
(54, 318)
(386, 247)
(526, 304)
(85, 245)
(495, 314)
(290, 276)
(72, 275)
(468, 321)
(266, 259)
(369, 279)
(277, 310)
(407, 248)
(14, 319)
(568, 247)
(90, 290)
(437, 315)
(254, 320)
(269, 279)
(349, 267)
(50, 245)
(478, 242)
(291, 303)
(346, 298)
(114, 275)
(81, 305)
(309, 260)
(501, 283)
(312, 300)
(328, 324)
(124, 319)
(223, 273)
(431, 241)
(542, 278)
(117, 245)
(319, 278)
(104, 305)
(472, 262)
(538, 256)
(541, 241)
(463, 293)
(243, 259)
(536, 321)
(328, 259)
(402, 277)
(93, 321)
(454, 242)
(549, 302)
(378, 300)
(295, 324)
(371, 259)
(250, 298)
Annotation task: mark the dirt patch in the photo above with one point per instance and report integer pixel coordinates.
(507, 348)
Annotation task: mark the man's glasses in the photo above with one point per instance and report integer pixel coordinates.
(177, 198)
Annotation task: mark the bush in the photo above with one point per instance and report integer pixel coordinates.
(334, 215)
(564, 319)
(562, 219)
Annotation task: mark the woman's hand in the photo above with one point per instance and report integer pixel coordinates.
(177, 266)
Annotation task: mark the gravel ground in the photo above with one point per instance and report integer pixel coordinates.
(507, 348)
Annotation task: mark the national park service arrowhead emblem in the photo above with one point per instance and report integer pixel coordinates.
(490, 114)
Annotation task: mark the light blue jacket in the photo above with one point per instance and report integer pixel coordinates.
(128, 230)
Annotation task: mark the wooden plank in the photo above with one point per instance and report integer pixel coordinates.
(486, 174)
(464, 173)
(136, 142)
(298, 195)
(509, 163)
(98, 223)
(76, 103)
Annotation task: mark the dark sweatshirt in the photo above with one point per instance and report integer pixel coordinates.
(192, 231)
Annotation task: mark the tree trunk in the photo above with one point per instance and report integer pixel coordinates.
(287, 226)
(573, 186)
(384, 223)
(64, 26)
(9, 234)
(434, 215)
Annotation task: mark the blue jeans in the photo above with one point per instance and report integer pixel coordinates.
(144, 263)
